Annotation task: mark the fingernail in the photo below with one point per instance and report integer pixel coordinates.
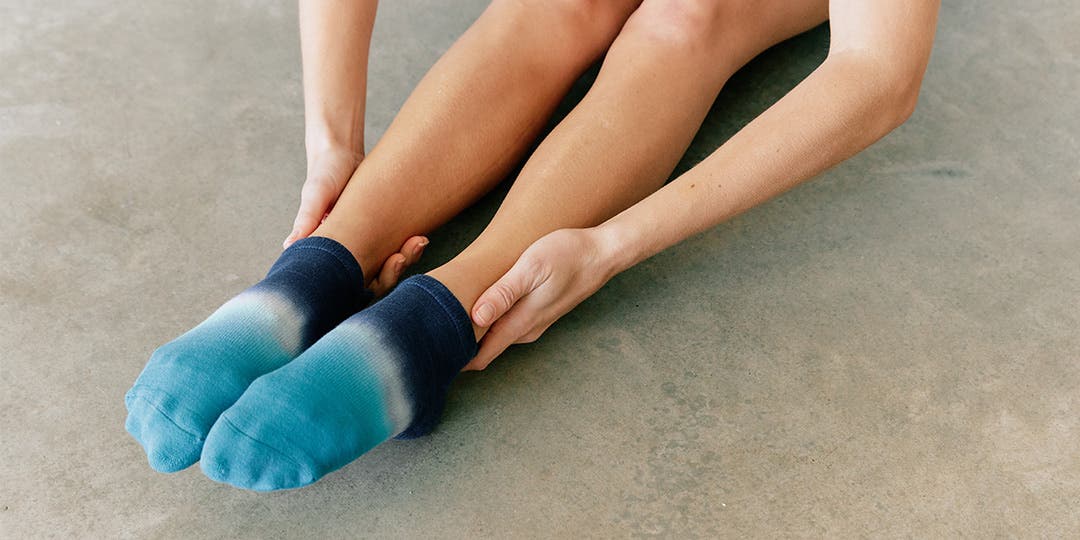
(399, 265)
(419, 248)
(484, 313)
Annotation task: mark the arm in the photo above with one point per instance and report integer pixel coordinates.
(334, 40)
(866, 87)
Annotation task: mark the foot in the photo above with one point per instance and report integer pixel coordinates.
(188, 382)
(384, 372)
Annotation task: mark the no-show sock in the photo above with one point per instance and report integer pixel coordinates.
(315, 284)
(382, 373)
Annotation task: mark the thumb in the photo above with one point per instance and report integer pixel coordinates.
(313, 206)
(492, 345)
(305, 224)
(501, 296)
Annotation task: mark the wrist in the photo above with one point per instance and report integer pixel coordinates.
(617, 250)
(336, 157)
(322, 139)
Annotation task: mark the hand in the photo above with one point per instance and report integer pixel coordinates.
(396, 264)
(555, 274)
(328, 172)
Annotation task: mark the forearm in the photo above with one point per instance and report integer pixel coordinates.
(335, 36)
(841, 108)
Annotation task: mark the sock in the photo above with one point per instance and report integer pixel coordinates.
(383, 372)
(188, 382)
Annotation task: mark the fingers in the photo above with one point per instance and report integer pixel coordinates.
(522, 278)
(315, 201)
(525, 323)
(499, 308)
(489, 350)
(389, 274)
(412, 249)
(502, 334)
(396, 264)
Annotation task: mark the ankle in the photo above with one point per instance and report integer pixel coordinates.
(467, 277)
(457, 280)
(369, 257)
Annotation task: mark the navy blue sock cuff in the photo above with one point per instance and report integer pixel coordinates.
(451, 344)
(328, 246)
(455, 312)
(323, 281)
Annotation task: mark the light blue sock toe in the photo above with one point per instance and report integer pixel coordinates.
(383, 372)
(189, 381)
(169, 446)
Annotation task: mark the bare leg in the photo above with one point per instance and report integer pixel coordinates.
(469, 121)
(623, 140)
(385, 370)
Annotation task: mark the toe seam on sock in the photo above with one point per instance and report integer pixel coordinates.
(232, 425)
(156, 407)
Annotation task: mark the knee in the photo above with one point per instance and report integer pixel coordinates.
(587, 24)
(582, 13)
(684, 26)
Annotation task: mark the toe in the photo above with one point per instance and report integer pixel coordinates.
(233, 456)
(169, 447)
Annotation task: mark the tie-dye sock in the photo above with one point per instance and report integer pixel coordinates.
(383, 372)
(188, 382)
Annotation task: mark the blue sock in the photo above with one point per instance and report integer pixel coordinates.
(188, 382)
(384, 372)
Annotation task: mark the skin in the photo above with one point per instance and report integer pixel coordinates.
(589, 202)
(468, 122)
(866, 87)
(335, 37)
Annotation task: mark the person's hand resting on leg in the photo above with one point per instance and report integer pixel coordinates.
(327, 173)
(553, 276)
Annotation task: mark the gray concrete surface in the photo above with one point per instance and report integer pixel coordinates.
(890, 350)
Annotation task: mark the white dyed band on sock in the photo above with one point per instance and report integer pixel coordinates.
(385, 361)
(266, 309)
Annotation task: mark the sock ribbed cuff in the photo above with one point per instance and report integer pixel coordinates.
(326, 245)
(325, 282)
(454, 311)
(459, 324)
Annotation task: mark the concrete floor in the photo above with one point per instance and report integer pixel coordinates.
(889, 350)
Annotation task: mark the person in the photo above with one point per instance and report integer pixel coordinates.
(297, 376)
